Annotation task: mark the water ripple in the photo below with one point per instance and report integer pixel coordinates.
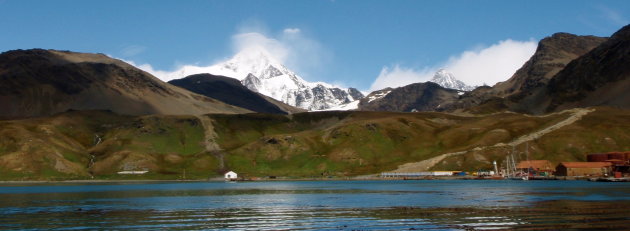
(379, 205)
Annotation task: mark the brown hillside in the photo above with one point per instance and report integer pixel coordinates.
(44, 82)
(552, 55)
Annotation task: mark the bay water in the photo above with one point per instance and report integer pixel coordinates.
(316, 205)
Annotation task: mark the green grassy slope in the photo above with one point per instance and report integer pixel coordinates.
(94, 144)
(356, 143)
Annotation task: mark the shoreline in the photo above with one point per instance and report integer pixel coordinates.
(358, 178)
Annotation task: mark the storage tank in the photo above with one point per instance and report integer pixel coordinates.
(616, 156)
(597, 157)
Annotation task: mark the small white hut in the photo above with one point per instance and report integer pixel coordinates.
(231, 175)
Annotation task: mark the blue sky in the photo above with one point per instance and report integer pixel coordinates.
(351, 43)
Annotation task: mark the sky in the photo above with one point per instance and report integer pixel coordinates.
(366, 44)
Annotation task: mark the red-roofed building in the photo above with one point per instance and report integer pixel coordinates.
(583, 169)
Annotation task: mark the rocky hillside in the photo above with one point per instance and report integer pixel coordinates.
(231, 91)
(567, 71)
(44, 82)
(599, 77)
(427, 96)
(552, 55)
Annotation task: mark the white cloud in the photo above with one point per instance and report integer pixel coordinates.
(613, 16)
(397, 76)
(305, 55)
(254, 42)
(291, 31)
(163, 75)
(291, 47)
(493, 64)
(487, 65)
(132, 50)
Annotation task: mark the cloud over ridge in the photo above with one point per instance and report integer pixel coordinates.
(488, 65)
(291, 47)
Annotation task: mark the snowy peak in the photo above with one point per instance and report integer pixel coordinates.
(447, 80)
(260, 72)
(258, 62)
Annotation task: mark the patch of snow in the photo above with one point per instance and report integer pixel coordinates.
(378, 95)
(344, 107)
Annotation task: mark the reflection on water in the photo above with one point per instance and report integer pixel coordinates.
(344, 205)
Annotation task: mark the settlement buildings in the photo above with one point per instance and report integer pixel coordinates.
(610, 164)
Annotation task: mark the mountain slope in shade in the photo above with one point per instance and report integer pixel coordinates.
(599, 77)
(283, 106)
(427, 96)
(442, 90)
(44, 82)
(447, 80)
(230, 91)
(261, 73)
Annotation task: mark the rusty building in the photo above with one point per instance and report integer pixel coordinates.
(584, 169)
(620, 161)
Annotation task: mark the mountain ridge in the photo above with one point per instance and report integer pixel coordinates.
(427, 96)
(599, 77)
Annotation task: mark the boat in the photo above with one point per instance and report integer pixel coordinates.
(512, 172)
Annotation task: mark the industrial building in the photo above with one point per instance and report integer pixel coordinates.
(584, 169)
(620, 161)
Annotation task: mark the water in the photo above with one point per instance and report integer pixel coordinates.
(323, 205)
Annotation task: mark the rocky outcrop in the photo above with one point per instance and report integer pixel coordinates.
(427, 96)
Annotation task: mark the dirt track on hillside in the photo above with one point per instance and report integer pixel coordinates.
(577, 114)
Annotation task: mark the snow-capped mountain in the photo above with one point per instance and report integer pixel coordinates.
(260, 72)
(447, 80)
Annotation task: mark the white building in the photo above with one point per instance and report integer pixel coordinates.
(132, 172)
(231, 175)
